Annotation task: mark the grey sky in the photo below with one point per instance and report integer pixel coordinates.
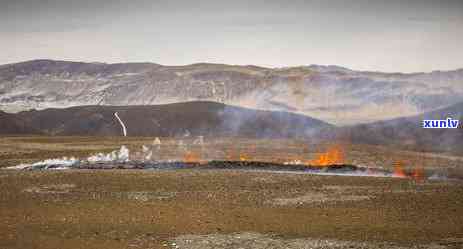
(384, 35)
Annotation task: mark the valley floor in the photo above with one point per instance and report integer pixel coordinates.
(191, 208)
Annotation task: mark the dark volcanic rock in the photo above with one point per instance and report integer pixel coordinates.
(245, 165)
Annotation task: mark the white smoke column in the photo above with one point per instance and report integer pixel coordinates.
(147, 152)
(124, 129)
(100, 157)
(157, 147)
(157, 143)
(123, 154)
(148, 157)
(199, 140)
(144, 148)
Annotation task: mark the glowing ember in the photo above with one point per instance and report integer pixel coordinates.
(398, 170)
(333, 156)
(191, 157)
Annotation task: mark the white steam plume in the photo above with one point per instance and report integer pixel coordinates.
(124, 129)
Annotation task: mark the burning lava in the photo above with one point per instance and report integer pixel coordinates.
(244, 157)
(330, 162)
(417, 174)
(398, 170)
(333, 156)
(191, 157)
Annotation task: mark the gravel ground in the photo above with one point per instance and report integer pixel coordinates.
(120, 209)
(260, 241)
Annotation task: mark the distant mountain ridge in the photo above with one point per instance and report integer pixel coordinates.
(179, 119)
(407, 133)
(334, 94)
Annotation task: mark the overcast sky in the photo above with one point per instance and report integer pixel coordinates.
(380, 35)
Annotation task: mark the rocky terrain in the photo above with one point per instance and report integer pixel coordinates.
(225, 209)
(330, 93)
(260, 241)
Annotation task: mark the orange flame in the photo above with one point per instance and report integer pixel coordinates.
(191, 157)
(334, 155)
(398, 170)
(243, 157)
(417, 174)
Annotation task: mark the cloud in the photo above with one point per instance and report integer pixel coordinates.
(359, 34)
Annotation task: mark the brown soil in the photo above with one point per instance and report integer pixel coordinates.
(153, 209)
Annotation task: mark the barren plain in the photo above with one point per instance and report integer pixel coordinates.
(190, 208)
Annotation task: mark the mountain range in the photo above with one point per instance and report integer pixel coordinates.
(198, 118)
(333, 94)
(407, 132)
